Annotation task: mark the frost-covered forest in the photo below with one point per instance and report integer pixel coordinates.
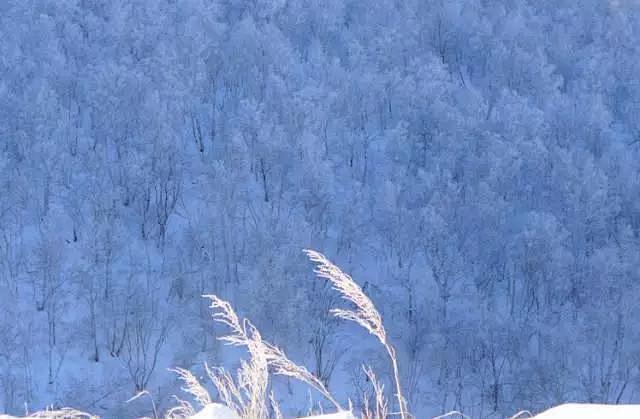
(475, 165)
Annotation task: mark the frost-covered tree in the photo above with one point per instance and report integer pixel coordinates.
(475, 163)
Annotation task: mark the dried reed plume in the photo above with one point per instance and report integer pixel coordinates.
(226, 386)
(247, 393)
(245, 334)
(365, 313)
(381, 411)
(183, 410)
(248, 396)
(277, 413)
(193, 387)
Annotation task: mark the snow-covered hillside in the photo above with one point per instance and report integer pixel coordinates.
(474, 165)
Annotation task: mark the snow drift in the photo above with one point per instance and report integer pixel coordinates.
(591, 411)
(215, 411)
(564, 411)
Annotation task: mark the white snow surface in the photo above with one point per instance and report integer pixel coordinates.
(565, 411)
(591, 411)
(215, 411)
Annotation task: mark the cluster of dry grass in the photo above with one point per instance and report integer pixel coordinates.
(247, 394)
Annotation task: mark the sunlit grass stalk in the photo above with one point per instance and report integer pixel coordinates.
(381, 411)
(365, 313)
(245, 334)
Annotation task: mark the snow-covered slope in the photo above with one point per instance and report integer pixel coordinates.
(472, 164)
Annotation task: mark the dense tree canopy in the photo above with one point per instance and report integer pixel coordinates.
(474, 165)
